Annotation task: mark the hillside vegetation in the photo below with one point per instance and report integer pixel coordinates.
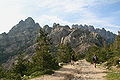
(108, 53)
(43, 62)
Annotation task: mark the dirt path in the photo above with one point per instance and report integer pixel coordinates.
(82, 70)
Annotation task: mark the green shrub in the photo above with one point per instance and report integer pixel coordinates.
(113, 76)
(18, 77)
(113, 61)
(37, 73)
(64, 53)
(49, 72)
(79, 56)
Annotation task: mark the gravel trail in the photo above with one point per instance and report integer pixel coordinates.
(82, 70)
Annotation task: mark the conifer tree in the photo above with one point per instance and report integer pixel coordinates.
(43, 59)
(2, 72)
(109, 54)
(20, 67)
(64, 53)
(89, 55)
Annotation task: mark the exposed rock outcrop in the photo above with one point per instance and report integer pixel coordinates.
(58, 32)
(109, 36)
(19, 38)
(81, 39)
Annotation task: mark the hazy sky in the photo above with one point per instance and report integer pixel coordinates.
(100, 13)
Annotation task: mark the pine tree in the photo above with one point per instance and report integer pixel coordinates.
(20, 67)
(43, 59)
(64, 53)
(2, 72)
(91, 52)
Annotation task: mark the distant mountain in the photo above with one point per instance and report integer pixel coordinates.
(109, 36)
(79, 39)
(23, 36)
(19, 38)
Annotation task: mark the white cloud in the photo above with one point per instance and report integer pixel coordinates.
(9, 15)
(45, 19)
(50, 11)
(91, 19)
(71, 5)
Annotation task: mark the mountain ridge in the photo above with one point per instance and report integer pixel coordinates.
(23, 37)
(102, 32)
(18, 38)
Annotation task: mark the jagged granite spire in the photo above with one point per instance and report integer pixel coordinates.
(29, 20)
(28, 24)
(109, 36)
(20, 37)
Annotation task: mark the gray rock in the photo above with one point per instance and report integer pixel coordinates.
(19, 38)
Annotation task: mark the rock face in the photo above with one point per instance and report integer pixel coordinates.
(19, 38)
(47, 29)
(58, 32)
(109, 36)
(81, 40)
(22, 37)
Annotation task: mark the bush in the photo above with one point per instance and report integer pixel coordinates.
(79, 56)
(13, 76)
(18, 77)
(113, 61)
(64, 53)
(49, 72)
(37, 73)
(114, 75)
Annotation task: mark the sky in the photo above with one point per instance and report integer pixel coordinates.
(99, 13)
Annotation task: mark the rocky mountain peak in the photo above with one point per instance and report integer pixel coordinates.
(103, 29)
(56, 26)
(46, 26)
(4, 34)
(21, 22)
(24, 26)
(20, 37)
(47, 29)
(109, 36)
(29, 20)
